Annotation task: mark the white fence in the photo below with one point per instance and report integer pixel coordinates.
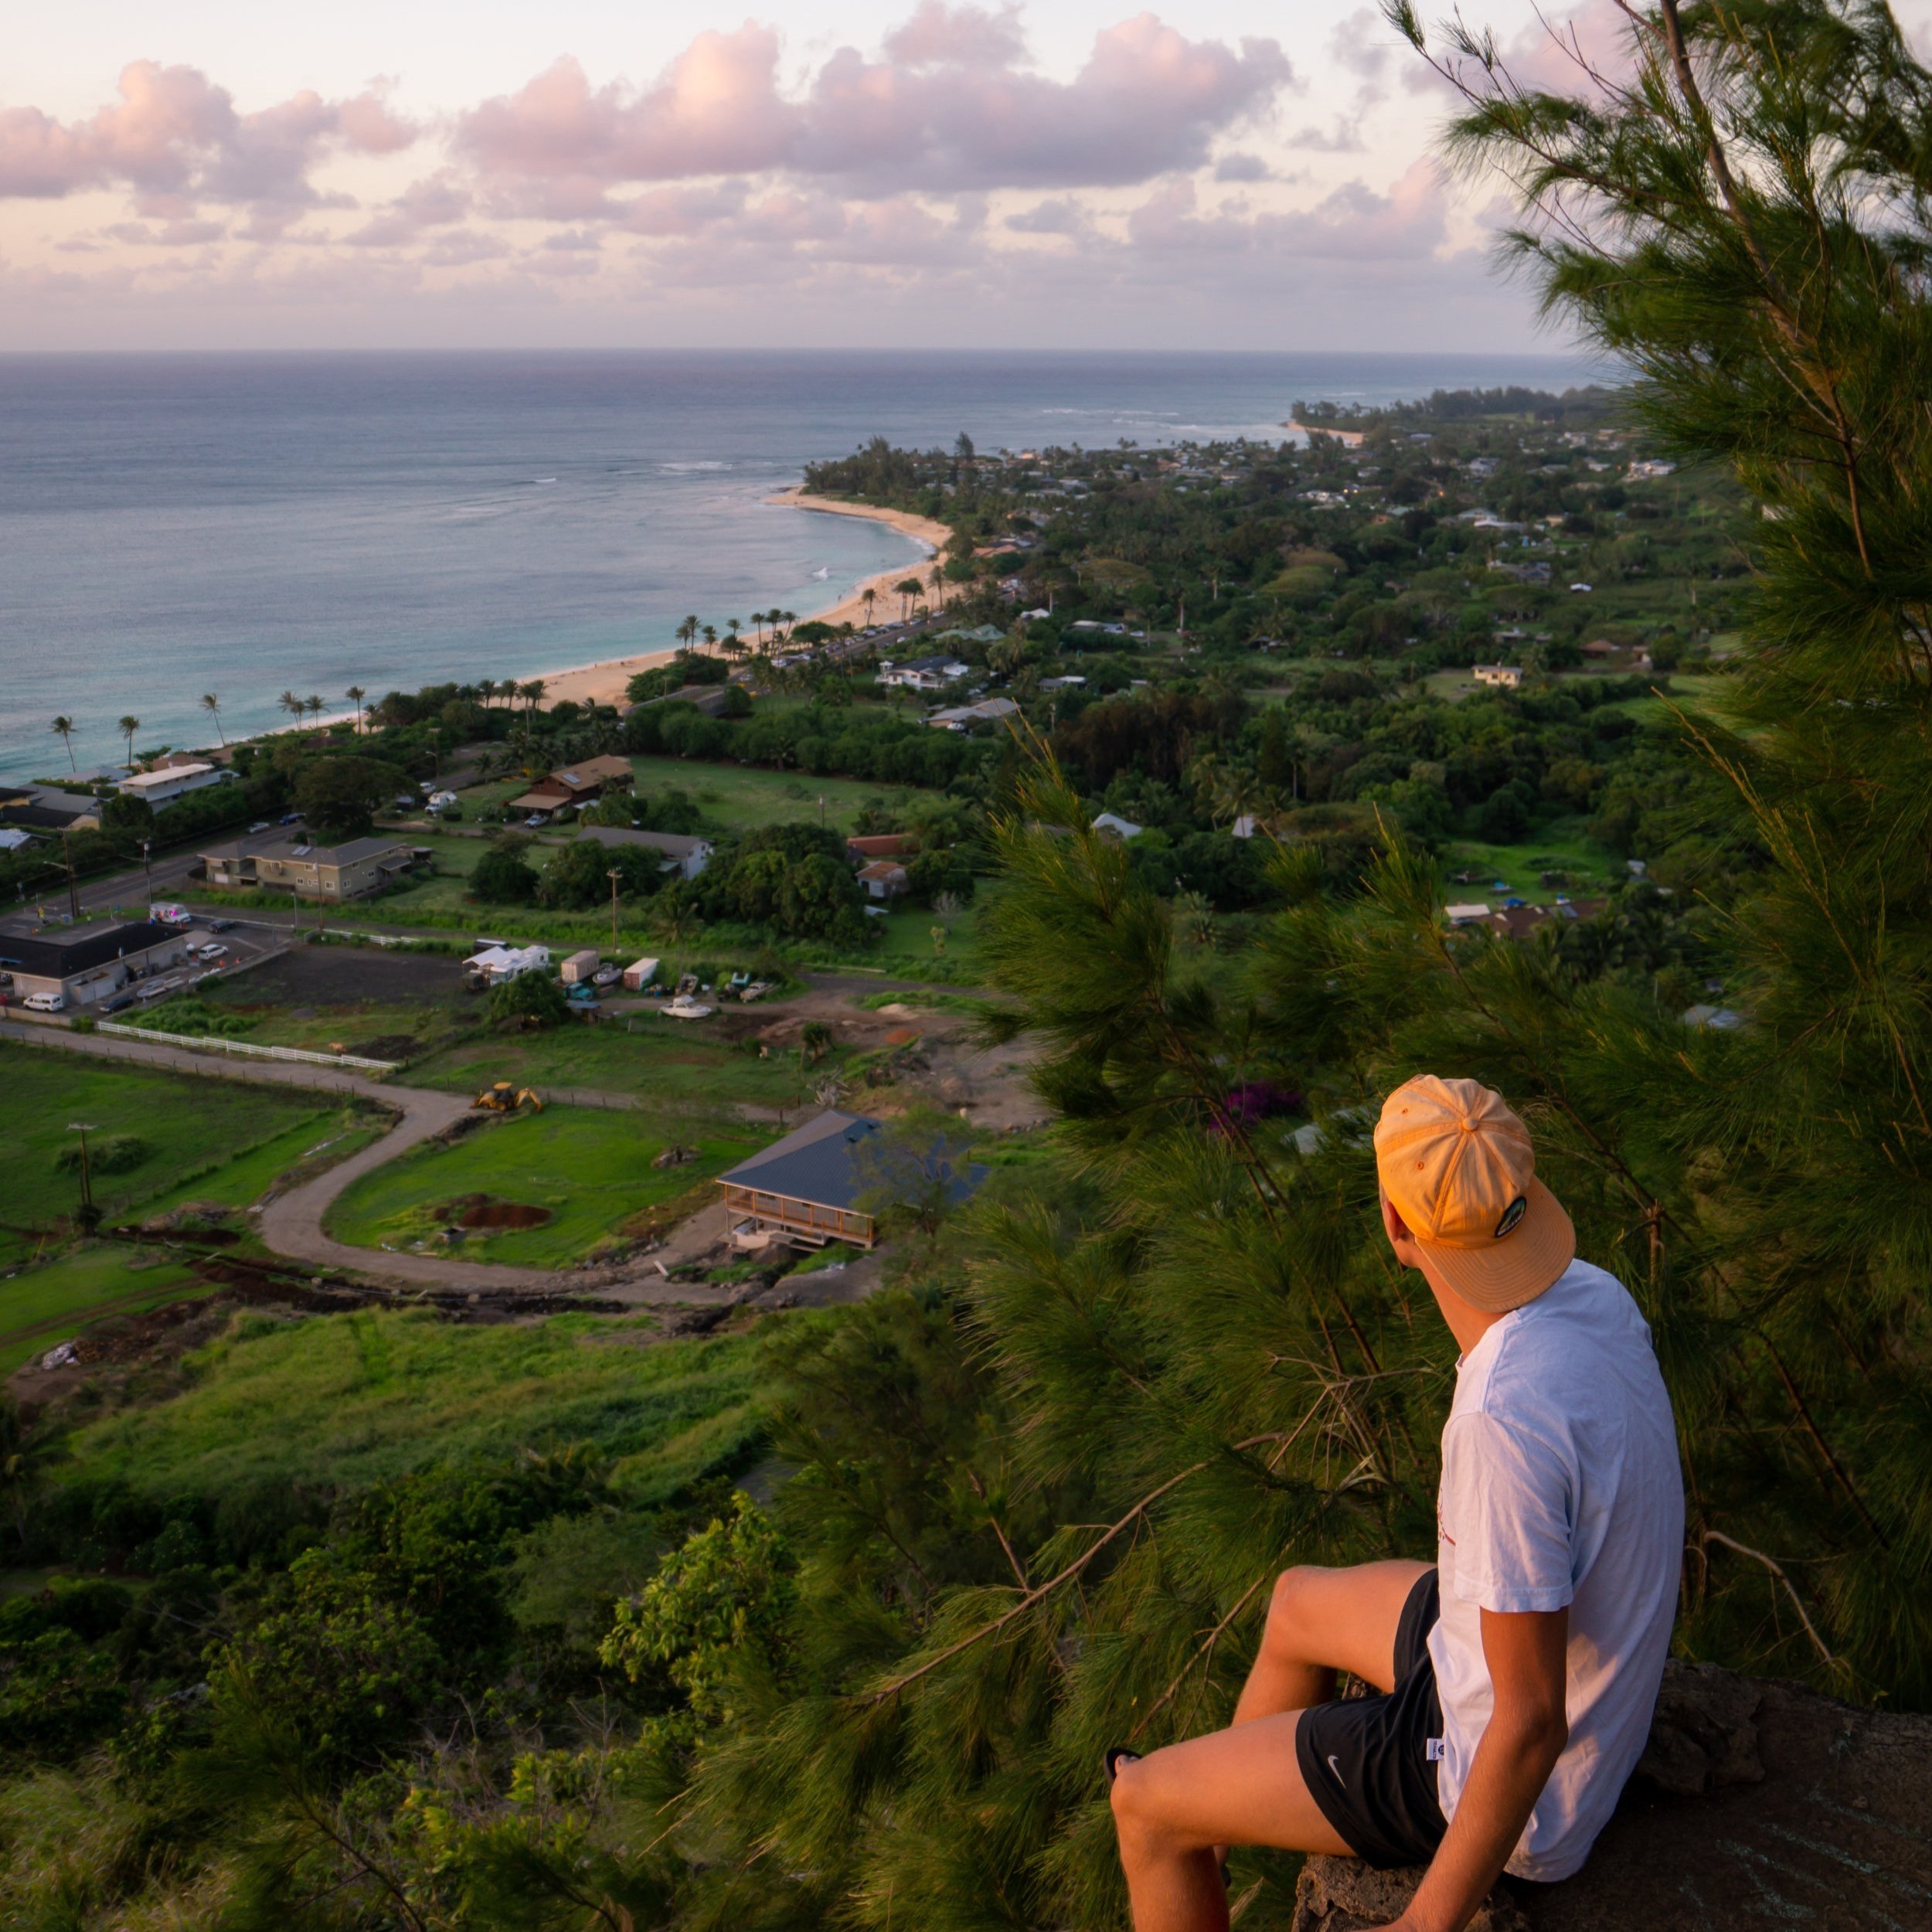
(221, 1043)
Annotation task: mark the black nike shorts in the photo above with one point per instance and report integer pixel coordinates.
(1367, 1762)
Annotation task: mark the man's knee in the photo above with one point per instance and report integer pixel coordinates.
(1291, 1619)
(1136, 1799)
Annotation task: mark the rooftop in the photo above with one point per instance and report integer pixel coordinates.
(62, 953)
(811, 1163)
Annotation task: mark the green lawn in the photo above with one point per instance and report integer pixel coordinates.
(192, 1127)
(1589, 866)
(44, 1305)
(684, 1071)
(737, 797)
(592, 1170)
(341, 1401)
(323, 1140)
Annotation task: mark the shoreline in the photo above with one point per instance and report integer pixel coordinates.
(603, 681)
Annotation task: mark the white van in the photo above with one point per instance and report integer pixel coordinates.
(44, 1002)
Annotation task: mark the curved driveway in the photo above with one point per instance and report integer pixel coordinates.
(292, 1224)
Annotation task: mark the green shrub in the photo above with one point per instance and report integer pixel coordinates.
(116, 1154)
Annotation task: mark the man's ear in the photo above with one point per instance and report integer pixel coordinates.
(1392, 1224)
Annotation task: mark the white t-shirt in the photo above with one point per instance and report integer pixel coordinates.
(1560, 1485)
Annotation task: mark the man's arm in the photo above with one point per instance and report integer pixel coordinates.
(1526, 1735)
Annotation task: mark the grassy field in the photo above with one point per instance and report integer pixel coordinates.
(685, 1072)
(324, 1140)
(736, 797)
(1566, 847)
(43, 1306)
(341, 1401)
(191, 1126)
(592, 1171)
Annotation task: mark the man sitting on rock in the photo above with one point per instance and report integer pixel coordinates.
(1516, 1678)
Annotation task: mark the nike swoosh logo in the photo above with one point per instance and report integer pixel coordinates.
(1337, 1769)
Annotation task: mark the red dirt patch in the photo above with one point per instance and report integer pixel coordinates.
(479, 1211)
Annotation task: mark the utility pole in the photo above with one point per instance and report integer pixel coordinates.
(614, 876)
(73, 891)
(88, 1216)
(148, 872)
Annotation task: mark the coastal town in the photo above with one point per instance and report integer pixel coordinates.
(768, 851)
(654, 1077)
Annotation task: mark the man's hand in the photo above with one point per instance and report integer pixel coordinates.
(1527, 1731)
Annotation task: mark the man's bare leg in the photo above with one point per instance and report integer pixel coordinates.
(1320, 1621)
(1178, 1810)
(1173, 1809)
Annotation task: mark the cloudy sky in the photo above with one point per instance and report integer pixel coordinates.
(1069, 173)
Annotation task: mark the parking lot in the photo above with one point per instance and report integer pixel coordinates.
(220, 948)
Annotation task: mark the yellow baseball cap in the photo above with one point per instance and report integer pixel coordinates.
(1459, 1167)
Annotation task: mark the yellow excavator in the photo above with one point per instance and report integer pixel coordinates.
(504, 1097)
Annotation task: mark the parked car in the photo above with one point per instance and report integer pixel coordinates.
(583, 995)
(221, 925)
(261, 824)
(171, 915)
(534, 819)
(290, 818)
(44, 1002)
(217, 952)
(119, 1004)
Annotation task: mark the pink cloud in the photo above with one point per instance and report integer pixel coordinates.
(174, 133)
(939, 36)
(950, 109)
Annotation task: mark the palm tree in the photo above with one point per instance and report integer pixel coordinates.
(356, 694)
(733, 627)
(937, 578)
(687, 632)
(64, 730)
(869, 597)
(292, 704)
(486, 690)
(212, 705)
(313, 706)
(533, 691)
(906, 590)
(711, 637)
(127, 727)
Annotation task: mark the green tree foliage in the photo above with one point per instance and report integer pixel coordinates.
(132, 817)
(340, 795)
(503, 876)
(718, 1608)
(794, 878)
(578, 875)
(531, 999)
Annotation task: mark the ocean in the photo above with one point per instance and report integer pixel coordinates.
(176, 525)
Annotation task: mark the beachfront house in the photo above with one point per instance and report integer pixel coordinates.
(168, 782)
(582, 784)
(680, 852)
(49, 809)
(923, 674)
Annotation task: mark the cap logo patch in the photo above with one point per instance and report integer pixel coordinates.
(1512, 1214)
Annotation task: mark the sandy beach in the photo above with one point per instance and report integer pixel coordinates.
(604, 682)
